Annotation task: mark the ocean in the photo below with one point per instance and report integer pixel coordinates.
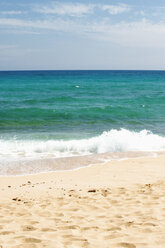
(48, 116)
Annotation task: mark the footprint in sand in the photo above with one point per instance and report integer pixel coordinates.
(6, 232)
(125, 245)
(48, 230)
(28, 228)
(147, 230)
(25, 246)
(115, 228)
(31, 240)
(33, 222)
(112, 236)
(149, 224)
(59, 214)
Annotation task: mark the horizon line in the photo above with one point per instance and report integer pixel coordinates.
(19, 70)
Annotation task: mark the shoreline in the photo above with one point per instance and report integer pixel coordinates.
(72, 163)
(118, 204)
(141, 169)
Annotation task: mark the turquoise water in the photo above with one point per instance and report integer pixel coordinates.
(67, 113)
(67, 104)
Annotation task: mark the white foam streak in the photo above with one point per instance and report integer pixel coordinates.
(112, 141)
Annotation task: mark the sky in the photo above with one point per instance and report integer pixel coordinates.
(64, 35)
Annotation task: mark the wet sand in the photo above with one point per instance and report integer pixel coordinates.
(118, 204)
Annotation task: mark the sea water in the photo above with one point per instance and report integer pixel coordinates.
(58, 114)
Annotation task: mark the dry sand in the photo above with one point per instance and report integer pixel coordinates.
(119, 204)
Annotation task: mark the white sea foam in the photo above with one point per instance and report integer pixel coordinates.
(111, 141)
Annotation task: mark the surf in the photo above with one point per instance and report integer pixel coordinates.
(109, 141)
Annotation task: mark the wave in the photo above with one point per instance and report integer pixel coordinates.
(112, 141)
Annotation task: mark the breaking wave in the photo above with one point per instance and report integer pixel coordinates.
(111, 141)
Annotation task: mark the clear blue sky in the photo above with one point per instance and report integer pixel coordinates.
(43, 34)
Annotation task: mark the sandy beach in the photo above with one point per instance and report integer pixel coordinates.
(118, 204)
